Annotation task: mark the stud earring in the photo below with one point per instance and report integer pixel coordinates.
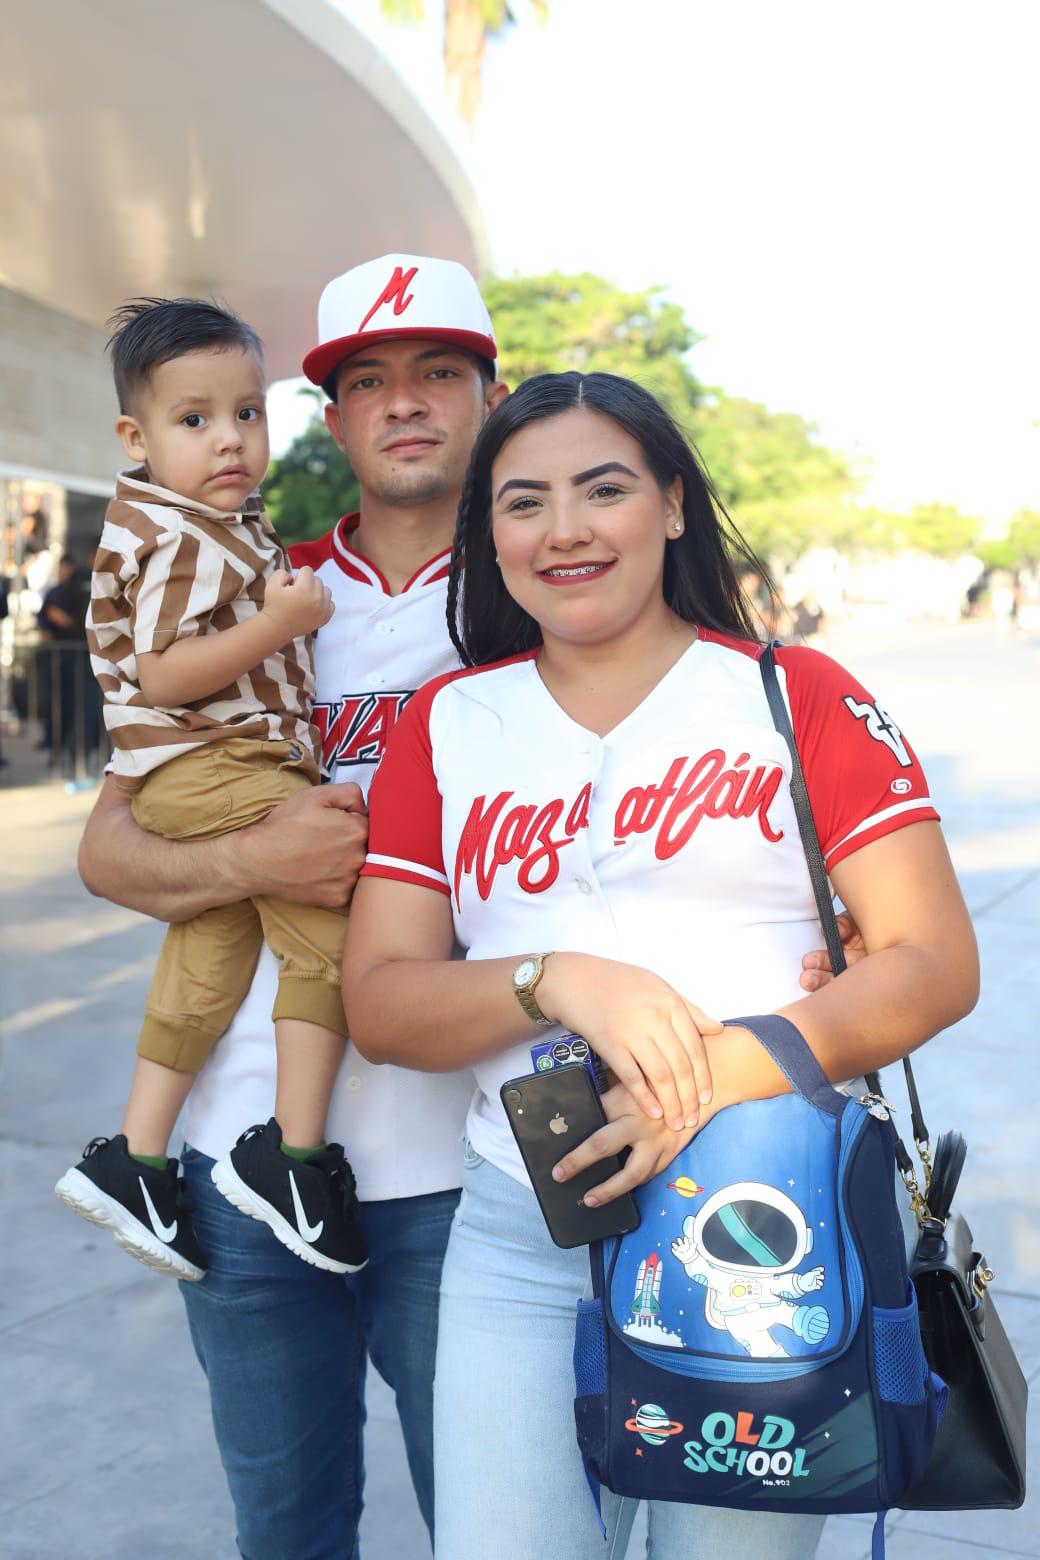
(676, 525)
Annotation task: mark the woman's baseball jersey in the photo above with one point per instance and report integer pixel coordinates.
(670, 843)
(401, 1128)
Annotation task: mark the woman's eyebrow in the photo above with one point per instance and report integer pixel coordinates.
(599, 471)
(522, 482)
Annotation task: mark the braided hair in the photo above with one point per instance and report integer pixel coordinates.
(700, 578)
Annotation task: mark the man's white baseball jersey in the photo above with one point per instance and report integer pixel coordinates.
(401, 1129)
(670, 843)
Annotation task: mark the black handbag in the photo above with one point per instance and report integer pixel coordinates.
(979, 1457)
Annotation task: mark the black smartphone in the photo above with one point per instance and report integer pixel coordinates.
(551, 1113)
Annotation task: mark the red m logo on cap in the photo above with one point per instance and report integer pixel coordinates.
(393, 292)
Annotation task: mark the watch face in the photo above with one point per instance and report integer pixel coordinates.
(525, 973)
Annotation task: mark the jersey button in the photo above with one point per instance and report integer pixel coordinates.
(384, 628)
(377, 681)
(353, 1083)
(583, 886)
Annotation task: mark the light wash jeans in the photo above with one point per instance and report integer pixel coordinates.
(509, 1478)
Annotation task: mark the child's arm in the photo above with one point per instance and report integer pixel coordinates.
(190, 669)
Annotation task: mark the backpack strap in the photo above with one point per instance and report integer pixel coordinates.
(787, 1047)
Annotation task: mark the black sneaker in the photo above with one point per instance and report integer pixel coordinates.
(310, 1204)
(148, 1211)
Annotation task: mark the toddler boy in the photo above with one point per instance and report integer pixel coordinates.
(201, 642)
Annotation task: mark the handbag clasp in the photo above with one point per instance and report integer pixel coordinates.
(981, 1277)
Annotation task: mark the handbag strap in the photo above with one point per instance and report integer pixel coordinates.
(821, 887)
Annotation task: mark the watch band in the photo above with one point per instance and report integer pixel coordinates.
(525, 990)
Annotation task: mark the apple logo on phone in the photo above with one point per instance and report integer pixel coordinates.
(557, 1124)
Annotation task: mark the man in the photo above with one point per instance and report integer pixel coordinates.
(406, 355)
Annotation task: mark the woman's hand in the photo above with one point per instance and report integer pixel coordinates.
(649, 1036)
(652, 1147)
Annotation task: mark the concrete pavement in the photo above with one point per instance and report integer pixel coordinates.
(103, 1412)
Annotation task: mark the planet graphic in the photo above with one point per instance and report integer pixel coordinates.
(653, 1425)
(685, 1187)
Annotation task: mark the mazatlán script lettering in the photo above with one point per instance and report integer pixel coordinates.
(500, 830)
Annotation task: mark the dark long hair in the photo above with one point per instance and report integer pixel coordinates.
(700, 580)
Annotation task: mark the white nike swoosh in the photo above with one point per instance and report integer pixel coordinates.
(310, 1232)
(165, 1232)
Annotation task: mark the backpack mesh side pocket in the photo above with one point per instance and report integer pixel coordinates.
(899, 1362)
(590, 1350)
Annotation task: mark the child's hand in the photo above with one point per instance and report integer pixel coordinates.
(296, 606)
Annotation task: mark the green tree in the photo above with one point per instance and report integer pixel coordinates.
(1020, 548)
(549, 324)
(758, 456)
(310, 486)
(939, 529)
(784, 488)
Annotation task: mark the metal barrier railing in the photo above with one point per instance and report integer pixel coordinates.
(48, 692)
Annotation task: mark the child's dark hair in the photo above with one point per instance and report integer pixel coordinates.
(700, 579)
(151, 331)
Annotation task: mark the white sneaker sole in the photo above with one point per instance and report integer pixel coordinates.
(230, 1184)
(80, 1194)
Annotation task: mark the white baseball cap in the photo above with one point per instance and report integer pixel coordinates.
(395, 297)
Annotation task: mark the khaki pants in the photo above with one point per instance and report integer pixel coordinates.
(206, 965)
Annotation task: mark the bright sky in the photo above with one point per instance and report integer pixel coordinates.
(842, 196)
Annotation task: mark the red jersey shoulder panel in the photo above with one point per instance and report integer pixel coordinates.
(863, 777)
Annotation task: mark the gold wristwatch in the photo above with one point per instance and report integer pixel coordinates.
(525, 979)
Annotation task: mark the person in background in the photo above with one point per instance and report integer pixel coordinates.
(61, 623)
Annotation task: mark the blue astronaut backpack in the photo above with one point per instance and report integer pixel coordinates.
(755, 1344)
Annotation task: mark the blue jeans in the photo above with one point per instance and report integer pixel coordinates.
(284, 1347)
(509, 1476)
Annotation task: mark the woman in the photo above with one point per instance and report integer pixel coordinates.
(604, 787)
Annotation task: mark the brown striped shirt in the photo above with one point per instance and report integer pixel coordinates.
(168, 568)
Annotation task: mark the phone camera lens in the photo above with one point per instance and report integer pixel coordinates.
(514, 1096)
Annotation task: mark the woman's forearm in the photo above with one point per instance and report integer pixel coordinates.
(869, 1016)
(436, 1015)
(873, 1014)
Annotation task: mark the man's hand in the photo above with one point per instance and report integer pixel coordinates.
(296, 604)
(816, 966)
(308, 850)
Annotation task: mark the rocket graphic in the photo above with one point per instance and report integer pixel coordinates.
(646, 1301)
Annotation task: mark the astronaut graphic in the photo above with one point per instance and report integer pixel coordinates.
(743, 1247)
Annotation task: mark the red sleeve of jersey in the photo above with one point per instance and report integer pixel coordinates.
(863, 778)
(404, 803)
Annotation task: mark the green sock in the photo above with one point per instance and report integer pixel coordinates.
(302, 1153)
(155, 1161)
